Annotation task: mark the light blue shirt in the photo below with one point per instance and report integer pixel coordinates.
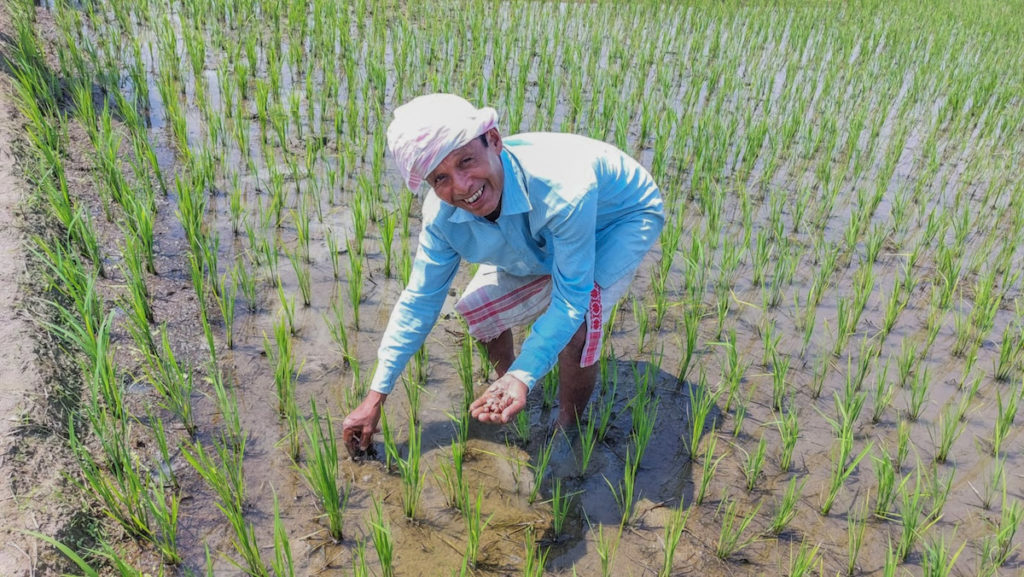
(574, 208)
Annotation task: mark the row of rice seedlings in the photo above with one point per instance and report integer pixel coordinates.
(321, 472)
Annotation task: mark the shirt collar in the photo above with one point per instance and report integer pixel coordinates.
(514, 199)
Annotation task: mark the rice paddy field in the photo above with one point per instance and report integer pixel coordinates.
(817, 371)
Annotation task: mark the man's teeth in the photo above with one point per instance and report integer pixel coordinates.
(476, 196)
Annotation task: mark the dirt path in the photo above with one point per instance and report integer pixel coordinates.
(20, 378)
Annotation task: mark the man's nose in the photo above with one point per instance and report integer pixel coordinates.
(461, 181)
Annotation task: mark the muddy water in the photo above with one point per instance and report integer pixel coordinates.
(433, 542)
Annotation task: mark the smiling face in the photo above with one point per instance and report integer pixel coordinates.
(471, 177)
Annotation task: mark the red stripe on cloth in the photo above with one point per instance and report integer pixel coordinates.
(514, 294)
(494, 308)
(592, 348)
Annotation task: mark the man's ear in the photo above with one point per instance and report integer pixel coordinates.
(494, 139)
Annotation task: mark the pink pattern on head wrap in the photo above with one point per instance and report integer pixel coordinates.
(427, 128)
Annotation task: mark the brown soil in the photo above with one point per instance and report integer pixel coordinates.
(34, 495)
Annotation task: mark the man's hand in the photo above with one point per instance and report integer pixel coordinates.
(501, 401)
(360, 425)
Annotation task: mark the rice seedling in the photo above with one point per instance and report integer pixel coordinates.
(380, 531)
(842, 467)
(805, 560)
(789, 431)
(173, 381)
(780, 367)
(588, 436)
(625, 492)
(691, 323)
(355, 281)
(339, 334)
(785, 512)
(903, 443)
(282, 565)
(884, 393)
(474, 528)
(886, 487)
(409, 470)
(753, 463)
(949, 429)
(856, 524)
(549, 389)
(912, 504)
(320, 471)
(607, 547)
(561, 502)
(1009, 522)
(698, 410)
(708, 467)
(995, 483)
(937, 559)
(918, 395)
(670, 539)
(1004, 420)
(730, 538)
(302, 277)
(534, 557)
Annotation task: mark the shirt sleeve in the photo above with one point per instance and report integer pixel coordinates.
(572, 276)
(417, 308)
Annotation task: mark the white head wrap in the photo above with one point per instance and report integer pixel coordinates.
(427, 128)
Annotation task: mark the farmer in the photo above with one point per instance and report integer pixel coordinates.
(559, 224)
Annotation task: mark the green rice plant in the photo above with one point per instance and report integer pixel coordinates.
(246, 282)
(691, 323)
(122, 490)
(698, 410)
(842, 468)
(754, 463)
(995, 483)
(730, 538)
(786, 510)
(588, 439)
(339, 334)
(452, 480)
(302, 277)
(561, 502)
(355, 282)
(644, 416)
(884, 392)
(173, 382)
(818, 378)
(918, 395)
(912, 508)
(333, 252)
(282, 564)
(903, 443)
(789, 431)
(380, 531)
(474, 528)
(642, 321)
(606, 408)
(280, 354)
(387, 236)
(320, 471)
(1011, 351)
(226, 301)
(534, 557)
(708, 467)
(1004, 420)
(549, 388)
(892, 560)
(856, 524)
(673, 533)
(625, 493)
(287, 307)
(886, 487)
(1009, 522)
(607, 546)
(937, 559)
(949, 429)
(780, 367)
(163, 510)
(409, 470)
(805, 560)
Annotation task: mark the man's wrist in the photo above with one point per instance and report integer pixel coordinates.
(375, 398)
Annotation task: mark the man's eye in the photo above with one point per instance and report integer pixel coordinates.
(438, 180)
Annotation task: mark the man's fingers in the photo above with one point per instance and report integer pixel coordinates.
(366, 438)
